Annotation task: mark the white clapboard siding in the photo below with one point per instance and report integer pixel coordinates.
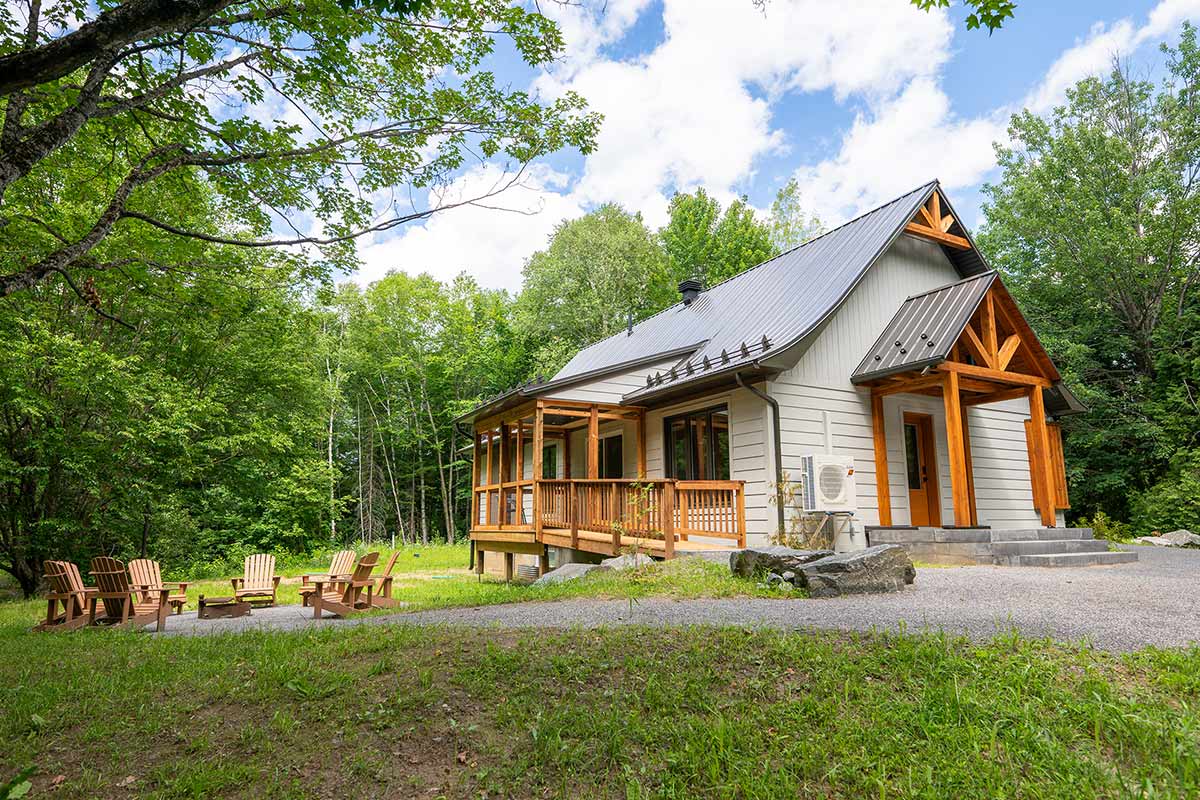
(819, 385)
(612, 387)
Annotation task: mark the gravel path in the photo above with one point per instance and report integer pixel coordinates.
(1155, 601)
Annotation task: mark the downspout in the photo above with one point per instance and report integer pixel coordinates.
(774, 404)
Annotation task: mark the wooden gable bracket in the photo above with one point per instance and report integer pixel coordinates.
(931, 224)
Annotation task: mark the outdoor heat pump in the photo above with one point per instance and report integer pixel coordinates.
(828, 482)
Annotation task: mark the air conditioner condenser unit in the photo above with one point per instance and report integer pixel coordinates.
(829, 483)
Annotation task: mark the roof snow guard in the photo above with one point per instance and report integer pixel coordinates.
(925, 329)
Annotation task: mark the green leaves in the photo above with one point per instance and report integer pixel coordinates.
(989, 14)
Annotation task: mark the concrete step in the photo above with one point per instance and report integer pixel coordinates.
(1039, 534)
(1036, 547)
(1077, 559)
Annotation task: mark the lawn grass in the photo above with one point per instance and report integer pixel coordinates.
(437, 577)
(398, 711)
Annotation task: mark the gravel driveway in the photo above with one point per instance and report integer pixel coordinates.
(1155, 601)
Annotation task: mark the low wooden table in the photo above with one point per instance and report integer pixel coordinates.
(222, 607)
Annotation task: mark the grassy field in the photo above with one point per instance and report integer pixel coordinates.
(399, 711)
(436, 576)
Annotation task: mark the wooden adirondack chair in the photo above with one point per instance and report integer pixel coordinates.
(383, 598)
(339, 572)
(67, 589)
(258, 580)
(121, 603)
(350, 598)
(146, 577)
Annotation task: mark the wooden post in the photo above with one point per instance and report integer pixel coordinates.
(502, 512)
(539, 415)
(544, 561)
(740, 493)
(479, 559)
(593, 444)
(567, 454)
(958, 458)
(475, 465)
(508, 567)
(883, 490)
(1041, 452)
(641, 445)
(683, 513)
(966, 428)
(668, 519)
(573, 513)
(490, 478)
(617, 518)
(521, 451)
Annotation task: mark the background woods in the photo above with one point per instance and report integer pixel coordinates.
(173, 381)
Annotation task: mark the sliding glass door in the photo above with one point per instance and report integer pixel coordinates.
(698, 445)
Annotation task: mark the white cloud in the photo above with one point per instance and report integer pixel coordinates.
(915, 136)
(490, 244)
(696, 110)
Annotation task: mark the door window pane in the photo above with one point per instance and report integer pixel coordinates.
(550, 461)
(677, 433)
(720, 445)
(913, 456)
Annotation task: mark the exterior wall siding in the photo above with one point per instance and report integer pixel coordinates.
(818, 387)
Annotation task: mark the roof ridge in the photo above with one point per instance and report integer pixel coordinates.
(935, 182)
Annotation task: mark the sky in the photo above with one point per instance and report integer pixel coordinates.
(860, 101)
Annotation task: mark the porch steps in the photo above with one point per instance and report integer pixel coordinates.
(1019, 547)
(1078, 559)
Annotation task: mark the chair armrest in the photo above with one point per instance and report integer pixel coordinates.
(181, 584)
(275, 582)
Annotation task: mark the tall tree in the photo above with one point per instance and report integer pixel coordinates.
(1096, 222)
(789, 223)
(598, 272)
(702, 242)
(289, 110)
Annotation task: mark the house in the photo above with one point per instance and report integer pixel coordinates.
(883, 360)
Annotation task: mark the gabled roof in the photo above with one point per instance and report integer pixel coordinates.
(924, 329)
(765, 309)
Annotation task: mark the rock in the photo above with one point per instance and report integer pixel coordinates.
(627, 561)
(774, 579)
(751, 561)
(1179, 538)
(567, 572)
(883, 568)
(789, 576)
(1182, 538)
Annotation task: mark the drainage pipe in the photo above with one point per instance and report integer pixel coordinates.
(774, 404)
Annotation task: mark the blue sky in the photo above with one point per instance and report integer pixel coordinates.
(858, 101)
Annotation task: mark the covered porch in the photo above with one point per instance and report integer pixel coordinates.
(968, 345)
(527, 495)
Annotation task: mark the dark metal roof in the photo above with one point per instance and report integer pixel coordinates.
(781, 300)
(925, 329)
(1061, 401)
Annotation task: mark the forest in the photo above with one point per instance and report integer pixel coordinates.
(180, 378)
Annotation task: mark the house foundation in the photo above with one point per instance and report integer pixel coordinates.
(1014, 547)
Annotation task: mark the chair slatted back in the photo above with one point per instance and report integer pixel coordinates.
(391, 562)
(145, 572)
(111, 578)
(342, 563)
(362, 573)
(259, 572)
(63, 577)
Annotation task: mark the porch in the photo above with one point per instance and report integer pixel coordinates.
(525, 497)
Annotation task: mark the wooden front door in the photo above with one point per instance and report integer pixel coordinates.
(921, 469)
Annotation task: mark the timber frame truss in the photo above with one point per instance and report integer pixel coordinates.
(997, 357)
(932, 224)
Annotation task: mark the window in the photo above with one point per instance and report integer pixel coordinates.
(698, 445)
(912, 455)
(550, 461)
(611, 457)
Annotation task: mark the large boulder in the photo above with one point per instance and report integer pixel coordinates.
(627, 561)
(1179, 538)
(1182, 538)
(567, 572)
(751, 561)
(883, 568)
